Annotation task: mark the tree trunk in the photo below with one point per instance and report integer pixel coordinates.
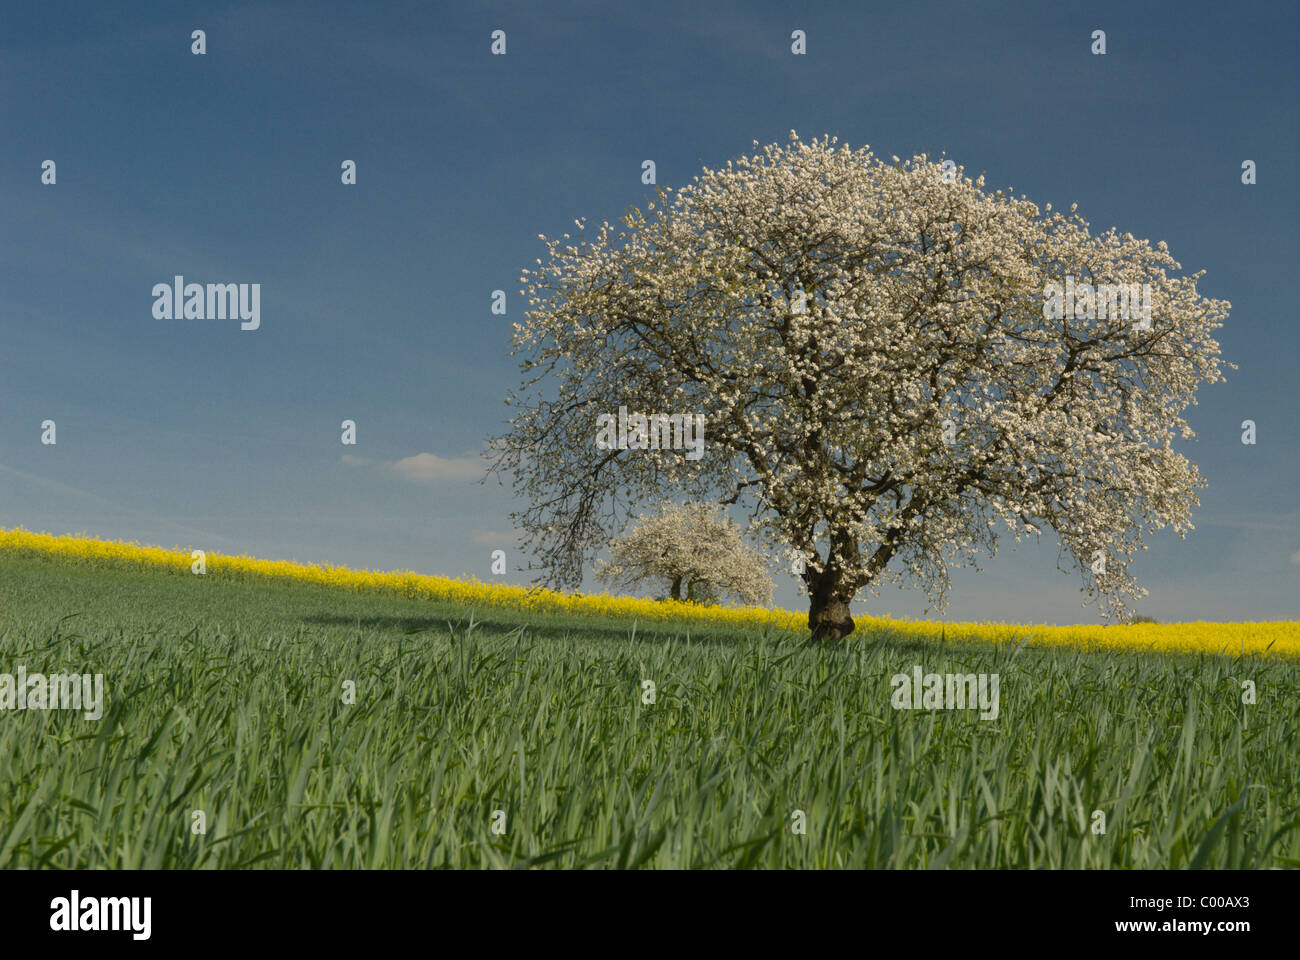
(676, 592)
(828, 607)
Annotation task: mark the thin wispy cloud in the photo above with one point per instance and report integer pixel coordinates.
(423, 467)
(110, 507)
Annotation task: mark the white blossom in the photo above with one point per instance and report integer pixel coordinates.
(924, 304)
(684, 546)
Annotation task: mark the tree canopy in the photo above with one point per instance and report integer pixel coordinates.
(693, 550)
(889, 375)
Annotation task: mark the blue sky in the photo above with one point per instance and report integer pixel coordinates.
(376, 297)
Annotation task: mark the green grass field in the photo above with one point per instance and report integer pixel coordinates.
(227, 698)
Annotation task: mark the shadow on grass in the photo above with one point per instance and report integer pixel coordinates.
(551, 628)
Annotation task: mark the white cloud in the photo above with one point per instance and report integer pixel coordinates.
(428, 468)
(1295, 558)
(424, 467)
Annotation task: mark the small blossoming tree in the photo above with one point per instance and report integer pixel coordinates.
(694, 551)
(887, 381)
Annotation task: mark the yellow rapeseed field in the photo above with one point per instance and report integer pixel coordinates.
(1272, 638)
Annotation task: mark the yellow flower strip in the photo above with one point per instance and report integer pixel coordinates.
(1275, 638)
